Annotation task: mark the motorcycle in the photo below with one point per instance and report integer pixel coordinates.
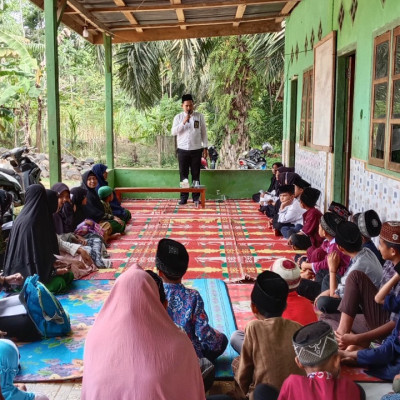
(213, 154)
(255, 158)
(25, 172)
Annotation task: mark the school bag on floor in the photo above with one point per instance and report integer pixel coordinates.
(44, 309)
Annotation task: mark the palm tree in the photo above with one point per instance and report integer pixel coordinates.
(148, 69)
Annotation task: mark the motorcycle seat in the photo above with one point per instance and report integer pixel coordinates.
(8, 171)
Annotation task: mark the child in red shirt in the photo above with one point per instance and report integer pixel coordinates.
(298, 309)
(308, 235)
(317, 352)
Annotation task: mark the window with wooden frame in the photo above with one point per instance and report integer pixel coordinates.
(307, 109)
(394, 121)
(385, 108)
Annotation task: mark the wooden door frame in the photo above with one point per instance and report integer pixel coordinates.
(343, 131)
(293, 120)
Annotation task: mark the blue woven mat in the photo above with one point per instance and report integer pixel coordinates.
(219, 310)
(62, 358)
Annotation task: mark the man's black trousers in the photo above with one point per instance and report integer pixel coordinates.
(189, 159)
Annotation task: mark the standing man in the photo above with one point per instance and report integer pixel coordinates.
(190, 128)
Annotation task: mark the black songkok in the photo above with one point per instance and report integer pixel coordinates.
(286, 189)
(187, 97)
(329, 222)
(310, 196)
(172, 258)
(369, 224)
(348, 236)
(270, 293)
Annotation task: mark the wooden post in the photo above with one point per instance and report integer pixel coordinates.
(109, 102)
(53, 104)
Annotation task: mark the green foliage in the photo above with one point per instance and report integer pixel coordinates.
(156, 121)
(233, 80)
(266, 123)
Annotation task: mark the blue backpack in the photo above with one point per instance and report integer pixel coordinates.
(44, 309)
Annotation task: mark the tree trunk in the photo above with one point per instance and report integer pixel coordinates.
(27, 131)
(39, 125)
(236, 140)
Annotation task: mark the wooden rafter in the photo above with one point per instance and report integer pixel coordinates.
(129, 16)
(172, 19)
(287, 9)
(88, 16)
(180, 14)
(131, 36)
(190, 6)
(199, 23)
(239, 13)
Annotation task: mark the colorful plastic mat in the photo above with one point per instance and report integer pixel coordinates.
(62, 358)
(227, 241)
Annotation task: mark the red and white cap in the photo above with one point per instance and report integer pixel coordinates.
(288, 270)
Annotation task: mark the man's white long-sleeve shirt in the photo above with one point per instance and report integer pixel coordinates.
(192, 135)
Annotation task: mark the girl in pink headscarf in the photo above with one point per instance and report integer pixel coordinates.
(134, 351)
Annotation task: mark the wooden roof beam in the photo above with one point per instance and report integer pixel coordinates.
(287, 9)
(239, 14)
(88, 16)
(189, 6)
(180, 14)
(129, 16)
(131, 36)
(198, 23)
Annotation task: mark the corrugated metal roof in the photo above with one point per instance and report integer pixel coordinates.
(147, 20)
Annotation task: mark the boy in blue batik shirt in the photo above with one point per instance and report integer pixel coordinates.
(185, 306)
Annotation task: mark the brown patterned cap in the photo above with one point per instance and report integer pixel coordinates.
(390, 232)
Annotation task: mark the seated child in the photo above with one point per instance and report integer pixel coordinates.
(384, 361)
(106, 195)
(273, 186)
(290, 216)
(207, 367)
(9, 368)
(185, 306)
(317, 352)
(299, 185)
(370, 225)
(267, 202)
(267, 355)
(316, 264)
(299, 309)
(349, 242)
(375, 323)
(308, 235)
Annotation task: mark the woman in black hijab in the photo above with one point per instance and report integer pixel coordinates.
(94, 208)
(63, 217)
(78, 198)
(33, 241)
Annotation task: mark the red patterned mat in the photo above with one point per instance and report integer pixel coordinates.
(226, 241)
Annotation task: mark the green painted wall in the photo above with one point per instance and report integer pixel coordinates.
(305, 18)
(232, 183)
(372, 19)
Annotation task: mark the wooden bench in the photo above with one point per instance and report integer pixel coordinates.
(201, 190)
